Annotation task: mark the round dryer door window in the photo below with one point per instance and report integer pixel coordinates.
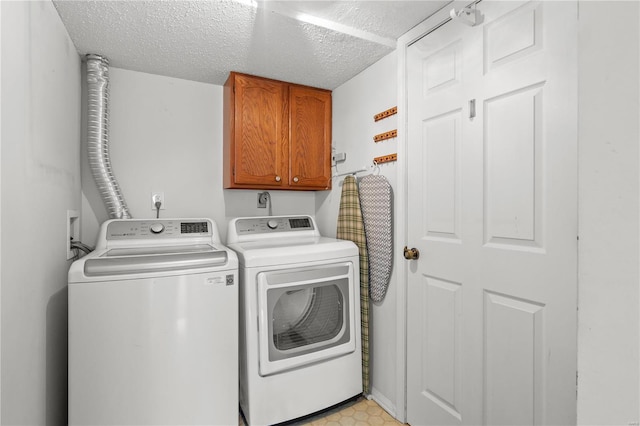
(306, 316)
(304, 313)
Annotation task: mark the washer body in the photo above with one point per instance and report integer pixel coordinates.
(153, 332)
(300, 347)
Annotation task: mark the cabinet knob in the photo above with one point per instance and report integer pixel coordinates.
(278, 178)
(295, 179)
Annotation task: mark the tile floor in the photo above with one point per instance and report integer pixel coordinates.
(358, 412)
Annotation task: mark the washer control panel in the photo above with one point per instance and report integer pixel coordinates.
(157, 228)
(266, 225)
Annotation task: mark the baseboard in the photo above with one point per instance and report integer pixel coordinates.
(383, 402)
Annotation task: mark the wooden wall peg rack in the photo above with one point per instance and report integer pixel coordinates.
(386, 135)
(385, 114)
(386, 158)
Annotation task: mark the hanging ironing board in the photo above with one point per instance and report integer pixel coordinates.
(375, 201)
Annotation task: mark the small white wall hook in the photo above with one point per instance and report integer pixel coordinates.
(469, 16)
(375, 168)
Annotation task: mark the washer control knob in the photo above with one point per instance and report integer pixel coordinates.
(157, 228)
(272, 224)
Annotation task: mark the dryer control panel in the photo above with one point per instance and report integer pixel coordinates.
(271, 224)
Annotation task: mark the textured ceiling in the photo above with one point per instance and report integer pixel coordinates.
(317, 43)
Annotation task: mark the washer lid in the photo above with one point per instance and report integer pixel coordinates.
(141, 251)
(108, 264)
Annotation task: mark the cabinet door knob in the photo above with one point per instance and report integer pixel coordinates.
(278, 178)
(295, 179)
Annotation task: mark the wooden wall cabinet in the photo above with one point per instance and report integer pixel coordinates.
(277, 135)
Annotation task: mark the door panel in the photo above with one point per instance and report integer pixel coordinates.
(442, 69)
(310, 146)
(512, 138)
(441, 136)
(441, 381)
(513, 360)
(434, 357)
(513, 35)
(260, 119)
(492, 208)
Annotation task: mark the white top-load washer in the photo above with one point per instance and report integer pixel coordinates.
(153, 329)
(300, 348)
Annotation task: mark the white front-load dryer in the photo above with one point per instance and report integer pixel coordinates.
(153, 326)
(300, 347)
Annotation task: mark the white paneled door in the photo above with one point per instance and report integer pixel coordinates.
(492, 209)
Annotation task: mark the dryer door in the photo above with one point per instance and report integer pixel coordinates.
(306, 315)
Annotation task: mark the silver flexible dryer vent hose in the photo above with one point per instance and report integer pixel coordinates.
(98, 137)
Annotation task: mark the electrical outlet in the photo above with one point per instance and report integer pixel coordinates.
(155, 197)
(73, 230)
(262, 200)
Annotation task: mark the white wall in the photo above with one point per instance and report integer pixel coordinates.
(354, 105)
(40, 181)
(166, 135)
(608, 326)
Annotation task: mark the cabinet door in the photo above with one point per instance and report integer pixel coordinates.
(260, 132)
(310, 142)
